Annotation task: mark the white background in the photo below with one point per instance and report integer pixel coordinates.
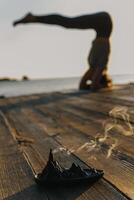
(41, 51)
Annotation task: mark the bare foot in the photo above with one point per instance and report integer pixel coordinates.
(26, 19)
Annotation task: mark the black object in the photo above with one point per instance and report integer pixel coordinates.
(54, 174)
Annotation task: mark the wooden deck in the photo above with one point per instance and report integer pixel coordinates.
(94, 129)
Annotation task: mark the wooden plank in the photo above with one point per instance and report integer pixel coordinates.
(112, 103)
(16, 179)
(98, 125)
(118, 168)
(11, 102)
(122, 92)
(97, 105)
(34, 157)
(89, 125)
(110, 98)
(41, 147)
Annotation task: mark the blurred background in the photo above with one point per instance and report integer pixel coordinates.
(45, 51)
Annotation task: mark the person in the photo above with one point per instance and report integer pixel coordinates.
(98, 57)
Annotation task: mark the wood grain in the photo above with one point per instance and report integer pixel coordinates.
(74, 121)
(16, 179)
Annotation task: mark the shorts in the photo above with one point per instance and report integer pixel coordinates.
(99, 54)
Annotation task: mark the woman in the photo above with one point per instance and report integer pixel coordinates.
(99, 55)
